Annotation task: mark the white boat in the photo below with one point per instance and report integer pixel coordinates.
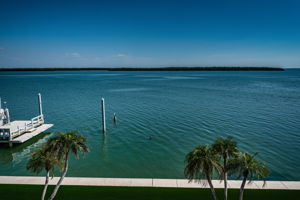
(20, 131)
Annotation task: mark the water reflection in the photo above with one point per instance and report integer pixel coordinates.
(103, 144)
(20, 151)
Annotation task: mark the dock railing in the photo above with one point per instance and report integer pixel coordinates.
(34, 122)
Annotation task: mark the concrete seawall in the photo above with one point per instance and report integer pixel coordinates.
(147, 182)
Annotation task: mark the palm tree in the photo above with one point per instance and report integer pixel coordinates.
(201, 163)
(61, 145)
(41, 159)
(248, 167)
(226, 148)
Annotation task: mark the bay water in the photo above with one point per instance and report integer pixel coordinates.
(161, 116)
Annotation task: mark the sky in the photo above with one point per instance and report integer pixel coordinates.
(149, 33)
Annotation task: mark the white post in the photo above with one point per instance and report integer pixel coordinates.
(18, 130)
(7, 115)
(25, 126)
(10, 139)
(40, 103)
(103, 116)
(31, 123)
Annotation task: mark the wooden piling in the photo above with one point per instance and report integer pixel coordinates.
(103, 116)
(40, 103)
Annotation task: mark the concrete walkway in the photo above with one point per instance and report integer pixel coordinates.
(143, 182)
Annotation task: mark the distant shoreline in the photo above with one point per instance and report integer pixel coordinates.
(148, 69)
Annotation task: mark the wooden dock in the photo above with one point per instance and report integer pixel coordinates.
(32, 133)
(20, 131)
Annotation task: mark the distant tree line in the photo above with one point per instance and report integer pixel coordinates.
(146, 69)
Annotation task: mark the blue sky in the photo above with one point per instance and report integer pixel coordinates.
(149, 33)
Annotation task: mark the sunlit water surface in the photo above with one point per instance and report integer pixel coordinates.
(177, 110)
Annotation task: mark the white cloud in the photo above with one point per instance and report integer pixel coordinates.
(120, 55)
(2, 48)
(74, 54)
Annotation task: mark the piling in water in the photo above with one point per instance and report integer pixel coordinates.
(103, 116)
(115, 118)
(40, 104)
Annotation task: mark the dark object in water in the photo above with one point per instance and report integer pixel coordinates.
(115, 118)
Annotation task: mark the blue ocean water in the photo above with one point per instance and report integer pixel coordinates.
(177, 110)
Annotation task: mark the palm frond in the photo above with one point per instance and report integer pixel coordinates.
(201, 163)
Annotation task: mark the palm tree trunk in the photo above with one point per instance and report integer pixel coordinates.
(213, 192)
(60, 180)
(46, 185)
(225, 185)
(225, 177)
(242, 187)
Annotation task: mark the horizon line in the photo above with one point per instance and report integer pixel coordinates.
(214, 68)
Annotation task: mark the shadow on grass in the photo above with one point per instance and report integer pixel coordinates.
(24, 192)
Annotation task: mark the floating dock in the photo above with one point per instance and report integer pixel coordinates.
(20, 131)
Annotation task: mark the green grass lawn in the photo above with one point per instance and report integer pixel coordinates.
(32, 192)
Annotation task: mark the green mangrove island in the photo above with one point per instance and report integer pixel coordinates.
(146, 69)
